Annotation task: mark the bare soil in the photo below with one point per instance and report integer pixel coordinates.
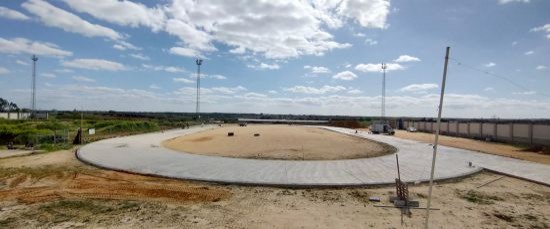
(56, 190)
(480, 146)
(278, 142)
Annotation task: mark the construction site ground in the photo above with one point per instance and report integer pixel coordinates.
(56, 190)
(536, 154)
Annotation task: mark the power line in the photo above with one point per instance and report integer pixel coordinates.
(471, 67)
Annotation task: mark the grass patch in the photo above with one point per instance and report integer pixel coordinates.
(54, 147)
(479, 198)
(39, 172)
(75, 205)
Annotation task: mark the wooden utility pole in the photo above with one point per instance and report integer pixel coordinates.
(440, 109)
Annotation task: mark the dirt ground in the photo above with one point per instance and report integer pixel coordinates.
(476, 145)
(278, 142)
(56, 190)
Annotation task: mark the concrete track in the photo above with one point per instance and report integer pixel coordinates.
(144, 154)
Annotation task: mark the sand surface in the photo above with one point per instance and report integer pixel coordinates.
(278, 142)
(55, 190)
(476, 145)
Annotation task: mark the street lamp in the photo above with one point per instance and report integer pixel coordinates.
(383, 112)
(198, 62)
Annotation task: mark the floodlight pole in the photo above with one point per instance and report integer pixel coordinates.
(383, 111)
(198, 62)
(33, 87)
(437, 137)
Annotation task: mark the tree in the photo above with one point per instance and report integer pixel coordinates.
(13, 107)
(5, 105)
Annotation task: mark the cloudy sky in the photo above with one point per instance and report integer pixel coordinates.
(299, 57)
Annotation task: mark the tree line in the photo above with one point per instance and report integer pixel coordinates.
(6, 106)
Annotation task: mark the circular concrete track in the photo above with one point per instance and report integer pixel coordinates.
(144, 154)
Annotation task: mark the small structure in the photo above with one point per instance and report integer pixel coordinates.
(256, 135)
(230, 134)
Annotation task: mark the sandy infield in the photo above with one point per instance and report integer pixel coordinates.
(278, 142)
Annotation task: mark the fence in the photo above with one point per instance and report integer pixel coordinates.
(509, 131)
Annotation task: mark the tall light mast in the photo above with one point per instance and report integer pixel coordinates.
(383, 110)
(33, 87)
(199, 62)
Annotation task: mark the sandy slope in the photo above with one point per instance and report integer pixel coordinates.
(278, 142)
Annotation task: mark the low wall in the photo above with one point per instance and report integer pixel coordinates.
(14, 115)
(525, 132)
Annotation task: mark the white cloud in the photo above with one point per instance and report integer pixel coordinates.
(22, 62)
(545, 29)
(83, 79)
(359, 35)
(525, 93)
(228, 90)
(317, 69)
(12, 14)
(530, 52)
(140, 56)
(355, 91)
(48, 75)
(124, 13)
(490, 65)
(489, 89)
(64, 70)
(218, 77)
(370, 67)
(502, 2)
(22, 45)
(415, 105)
(272, 92)
(312, 90)
(254, 94)
(4, 71)
(183, 80)
(59, 18)
(263, 65)
(514, 43)
(371, 42)
(187, 52)
(368, 13)
(540, 67)
(345, 75)
(406, 58)
(94, 64)
(124, 45)
(119, 47)
(258, 27)
(154, 86)
(171, 69)
(418, 87)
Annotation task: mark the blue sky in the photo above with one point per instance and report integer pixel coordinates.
(298, 57)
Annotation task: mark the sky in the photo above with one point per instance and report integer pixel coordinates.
(285, 57)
